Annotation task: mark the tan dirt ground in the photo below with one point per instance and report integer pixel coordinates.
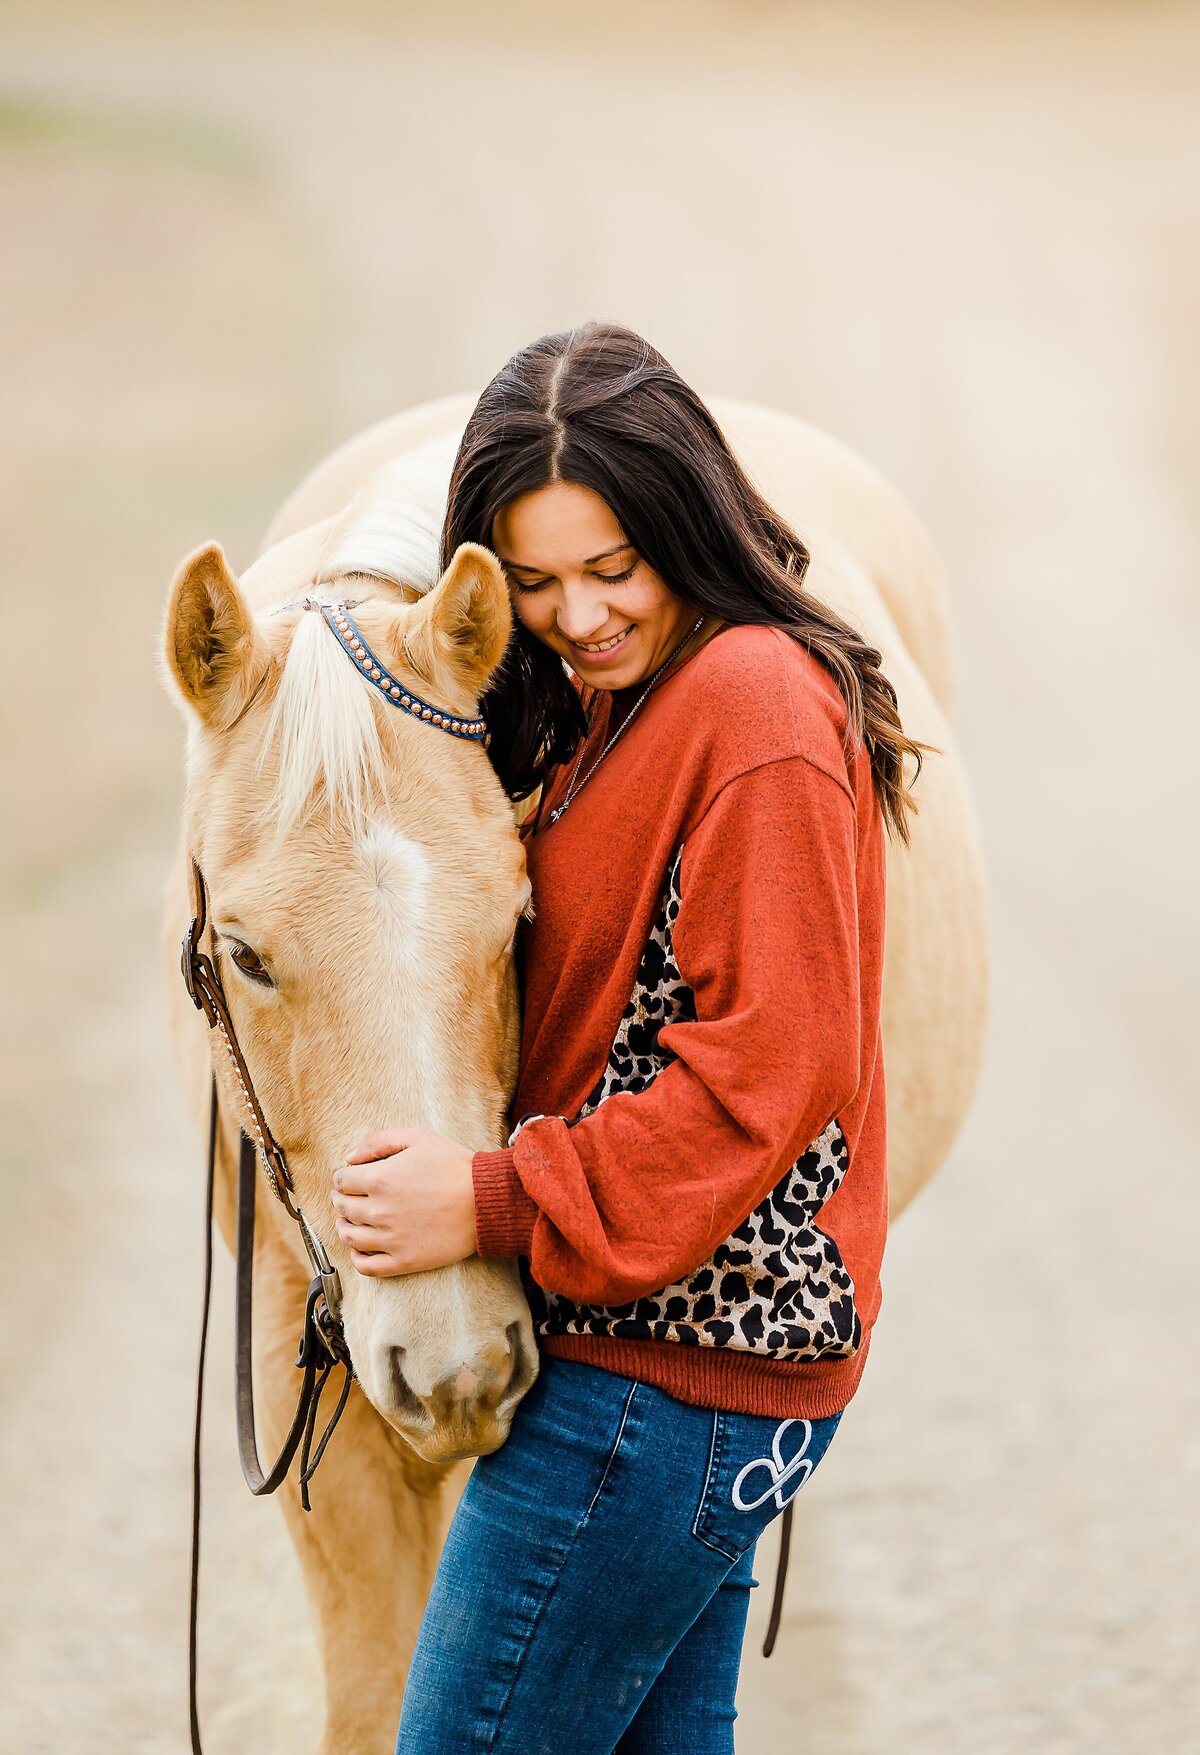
(966, 241)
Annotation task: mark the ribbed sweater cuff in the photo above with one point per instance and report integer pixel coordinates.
(504, 1213)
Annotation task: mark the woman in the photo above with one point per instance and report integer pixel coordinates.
(695, 1187)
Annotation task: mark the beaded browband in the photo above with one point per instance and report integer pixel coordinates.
(350, 639)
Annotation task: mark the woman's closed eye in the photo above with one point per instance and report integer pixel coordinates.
(606, 578)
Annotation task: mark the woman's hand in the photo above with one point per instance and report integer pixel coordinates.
(405, 1202)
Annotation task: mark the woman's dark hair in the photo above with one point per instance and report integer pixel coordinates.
(599, 406)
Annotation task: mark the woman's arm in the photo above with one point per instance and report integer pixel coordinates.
(639, 1192)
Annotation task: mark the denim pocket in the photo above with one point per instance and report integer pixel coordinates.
(756, 1465)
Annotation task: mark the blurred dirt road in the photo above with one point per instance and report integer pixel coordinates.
(971, 249)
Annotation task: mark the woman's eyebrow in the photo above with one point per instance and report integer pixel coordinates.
(522, 567)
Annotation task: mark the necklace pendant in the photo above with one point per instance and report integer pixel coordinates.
(557, 812)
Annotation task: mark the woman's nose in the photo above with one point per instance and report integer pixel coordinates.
(581, 616)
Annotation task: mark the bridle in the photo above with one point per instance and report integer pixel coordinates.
(322, 1345)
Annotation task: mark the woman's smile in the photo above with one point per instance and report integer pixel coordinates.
(599, 653)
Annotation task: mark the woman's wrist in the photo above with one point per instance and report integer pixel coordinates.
(504, 1213)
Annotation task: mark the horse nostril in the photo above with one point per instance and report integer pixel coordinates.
(403, 1399)
(521, 1375)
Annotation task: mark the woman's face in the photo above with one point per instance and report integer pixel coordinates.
(577, 585)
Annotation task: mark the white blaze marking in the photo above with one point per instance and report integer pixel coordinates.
(400, 871)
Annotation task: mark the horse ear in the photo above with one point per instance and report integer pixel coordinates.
(213, 651)
(464, 623)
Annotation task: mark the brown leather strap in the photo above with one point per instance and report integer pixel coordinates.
(203, 980)
(781, 1566)
(208, 995)
(314, 1357)
(322, 1347)
(194, 1595)
(258, 1480)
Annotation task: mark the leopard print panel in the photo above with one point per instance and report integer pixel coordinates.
(777, 1285)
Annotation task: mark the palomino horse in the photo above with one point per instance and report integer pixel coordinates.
(366, 878)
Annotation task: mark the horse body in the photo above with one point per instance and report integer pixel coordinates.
(374, 868)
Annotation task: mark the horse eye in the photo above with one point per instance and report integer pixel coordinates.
(248, 962)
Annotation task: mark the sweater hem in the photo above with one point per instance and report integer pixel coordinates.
(712, 1377)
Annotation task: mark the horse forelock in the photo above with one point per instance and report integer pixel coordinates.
(321, 729)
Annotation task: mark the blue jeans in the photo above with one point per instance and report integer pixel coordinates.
(592, 1594)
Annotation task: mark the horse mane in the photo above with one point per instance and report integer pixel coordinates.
(392, 529)
(323, 721)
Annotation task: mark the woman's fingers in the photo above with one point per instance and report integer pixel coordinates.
(383, 1144)
(378, 1264)
(361, 1238)
(356, 1208)
(354, 1179)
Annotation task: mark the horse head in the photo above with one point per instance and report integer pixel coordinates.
(365, 879)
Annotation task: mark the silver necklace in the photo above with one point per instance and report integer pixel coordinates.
(573, 784)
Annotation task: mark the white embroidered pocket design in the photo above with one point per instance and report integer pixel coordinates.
(780, 1473)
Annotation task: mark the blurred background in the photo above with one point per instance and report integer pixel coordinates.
(966, 240)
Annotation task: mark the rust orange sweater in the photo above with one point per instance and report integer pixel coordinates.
(696, 1183)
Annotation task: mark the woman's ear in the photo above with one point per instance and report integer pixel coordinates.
(464, 624)
(214, 654)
